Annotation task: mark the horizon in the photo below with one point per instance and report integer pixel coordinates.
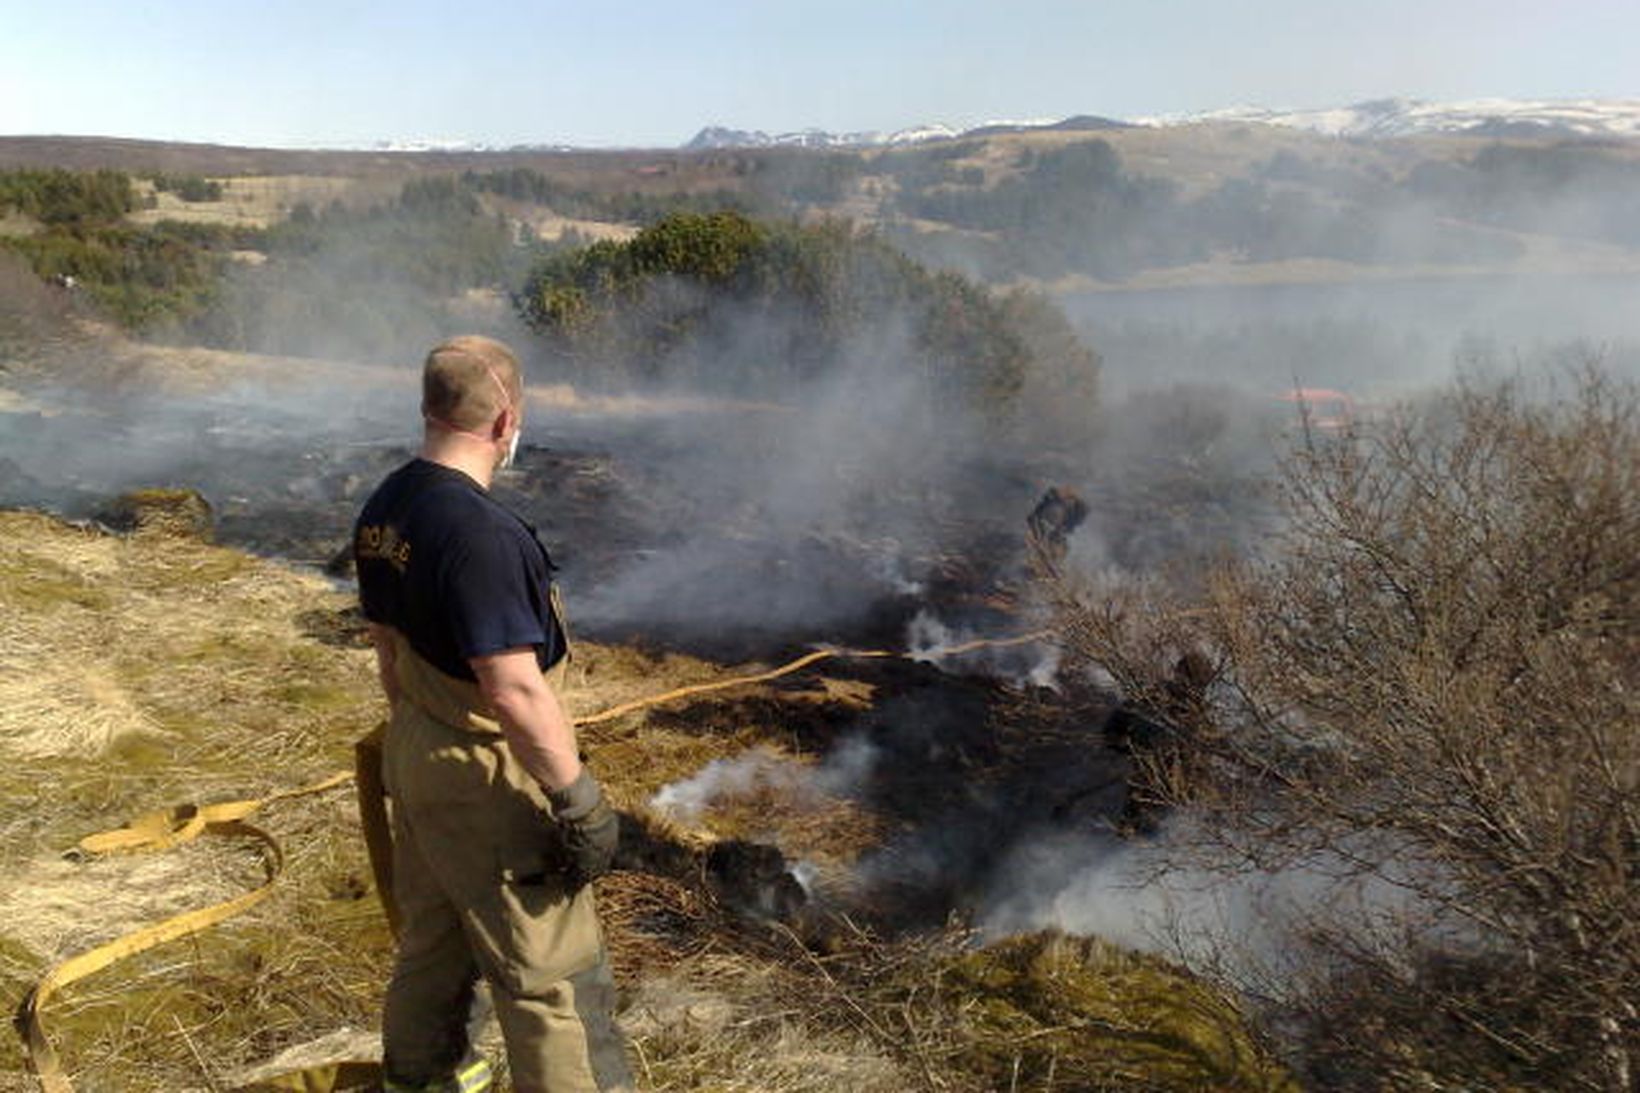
(422, 142)
(307, 75)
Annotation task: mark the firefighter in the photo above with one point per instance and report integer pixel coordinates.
(1058, 513)
(498, 828)
(1161, 742)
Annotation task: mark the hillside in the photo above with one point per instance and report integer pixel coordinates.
(1228, 201)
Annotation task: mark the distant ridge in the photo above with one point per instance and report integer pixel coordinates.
(1490, 119)
(719, 136)
(1080, 123)
(1416, 117)
(455, 146)
(1386, 118)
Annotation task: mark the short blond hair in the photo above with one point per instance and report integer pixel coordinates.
(467, 381)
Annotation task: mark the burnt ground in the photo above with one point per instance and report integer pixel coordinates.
(969, 768)
(662, 532)
(949, 773)
(967, 761)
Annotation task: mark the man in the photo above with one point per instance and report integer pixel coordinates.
(1162, 741)
(497, 827)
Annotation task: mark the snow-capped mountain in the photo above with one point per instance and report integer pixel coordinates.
(441, 145)
(718, 136)
(1378, 118)
(1414, 117)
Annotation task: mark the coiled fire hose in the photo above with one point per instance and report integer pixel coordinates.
(174, 826)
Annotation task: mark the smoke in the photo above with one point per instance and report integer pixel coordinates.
(798, 784)
(1129, 892)
(269, 434)
(1195, 418)
(1365, 266)
(284, 446)
(1377, 339)
(798, 521)
(1165, 895)
(832, 509)
(850, 503)
(817, 514)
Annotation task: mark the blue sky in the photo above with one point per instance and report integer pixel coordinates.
(650, 73)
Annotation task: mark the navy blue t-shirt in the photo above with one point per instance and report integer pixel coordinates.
(454, 571)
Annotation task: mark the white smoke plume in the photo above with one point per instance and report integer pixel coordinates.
(1152, 896)
(844, 769)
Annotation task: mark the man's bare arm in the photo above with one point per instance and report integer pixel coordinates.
(536, 727)
(382, 638)
(543, 740)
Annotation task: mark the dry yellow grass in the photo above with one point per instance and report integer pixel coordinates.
(256, 201)
(137, 672)
(102, 358)
(13, 223)
(142, 671)
(549, 225)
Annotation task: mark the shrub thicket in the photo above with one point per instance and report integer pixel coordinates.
(1570, 189)
(1072, 209)
(360, 281)
(1077, 209)
(727, 304)
(189, 187)
(631, 207)
(139, 276)
(1433, 684)
(62, 197)
(372, 283)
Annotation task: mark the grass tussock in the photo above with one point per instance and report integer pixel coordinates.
(1042, 1009)
(144, 670)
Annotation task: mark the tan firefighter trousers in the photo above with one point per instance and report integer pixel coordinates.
(479, 881)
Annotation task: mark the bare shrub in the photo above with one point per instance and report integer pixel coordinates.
(1432, 682)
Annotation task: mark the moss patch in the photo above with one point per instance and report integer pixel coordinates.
(1047, 1011)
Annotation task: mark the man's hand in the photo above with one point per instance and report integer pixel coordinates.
(591, 829)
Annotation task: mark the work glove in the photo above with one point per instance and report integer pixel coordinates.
(589, 828)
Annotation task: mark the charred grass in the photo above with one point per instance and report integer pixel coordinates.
(139, 671)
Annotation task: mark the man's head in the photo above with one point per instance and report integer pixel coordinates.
(472, 386)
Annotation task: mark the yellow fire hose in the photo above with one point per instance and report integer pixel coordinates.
(180, 824)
